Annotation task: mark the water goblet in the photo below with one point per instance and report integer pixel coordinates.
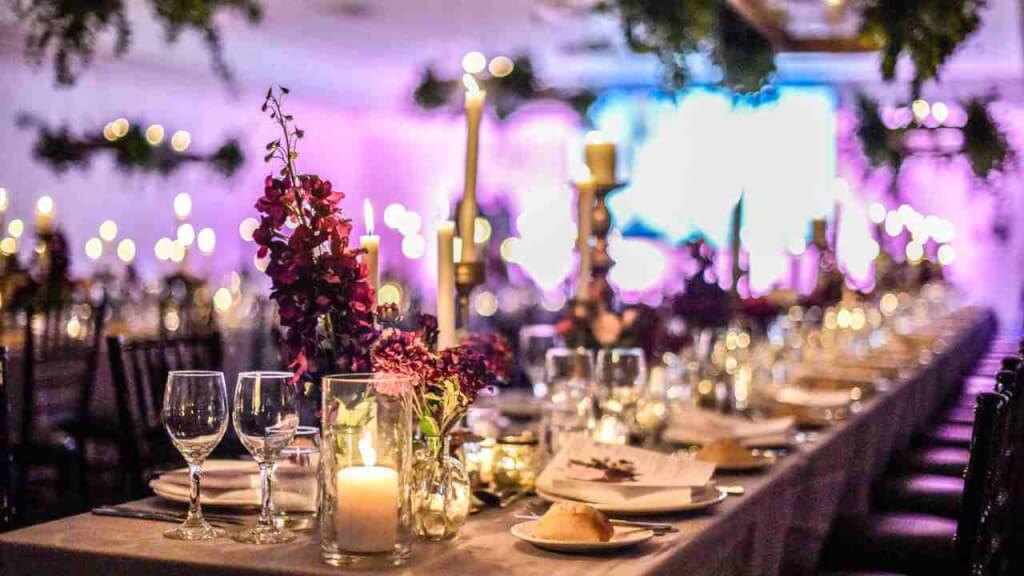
(195, 415)
(266, 416)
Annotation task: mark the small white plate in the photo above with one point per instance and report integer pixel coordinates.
(623, 537)
(700, 498)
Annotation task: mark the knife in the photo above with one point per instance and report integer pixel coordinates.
(174, 517)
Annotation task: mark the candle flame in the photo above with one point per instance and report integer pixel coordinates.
(366, 451)
(470, 83)
(44, 205)
(368, 216)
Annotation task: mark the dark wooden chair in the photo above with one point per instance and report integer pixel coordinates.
(974, 544)
(60, 360)
(139, 372)
(6, 458)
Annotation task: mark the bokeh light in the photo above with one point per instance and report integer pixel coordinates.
(186, 234)
(108, 230)
(155, 134)
(206, 240)
(474, 62)
(16, 228)
(181, 140)
(182, 205)
(126, 250)
(94, 248)
(247, 228)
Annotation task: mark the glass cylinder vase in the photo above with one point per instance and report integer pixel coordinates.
(366, 462)
(440, 491)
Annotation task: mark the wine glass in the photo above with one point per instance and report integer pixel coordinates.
(621, 374)
(266, 416)
(534, 342)
(569, 409)
(195, 414)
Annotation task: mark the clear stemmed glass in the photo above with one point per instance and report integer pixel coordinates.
(266, 416)
(195, 414)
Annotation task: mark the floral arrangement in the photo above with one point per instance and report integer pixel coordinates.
(447, 381)
(319, 281)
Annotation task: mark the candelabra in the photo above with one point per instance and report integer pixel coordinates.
(600, 262)
(468, 275)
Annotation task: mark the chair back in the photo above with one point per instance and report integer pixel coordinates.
(139, 372)
(6, 458)
(983, 527)
(61, 355)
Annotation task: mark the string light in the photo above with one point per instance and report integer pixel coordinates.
(16, 228)
(120, 127)
(8, 246)
(876, 212)
(181, 140)
(946, 254)
(413, 247)
(178, 251)
(501, 66)
(920, 109)
(155, 134)
(163, 249)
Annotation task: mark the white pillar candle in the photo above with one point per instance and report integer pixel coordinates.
(446, 285)
(475, 99)
(584, 219)
(366, 519)
(371, 243)
(599, 155)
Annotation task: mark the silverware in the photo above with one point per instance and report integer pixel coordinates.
(732, 490)
(155, 516)
(655, 527)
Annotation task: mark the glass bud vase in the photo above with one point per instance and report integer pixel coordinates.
(365, 467)
(440, 491)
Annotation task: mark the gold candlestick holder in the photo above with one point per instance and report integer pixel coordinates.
(468, 275)
(600, 262)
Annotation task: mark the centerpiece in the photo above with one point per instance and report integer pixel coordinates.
(446, 384)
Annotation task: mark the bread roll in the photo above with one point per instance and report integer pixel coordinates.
(726, 453)
(573, 522)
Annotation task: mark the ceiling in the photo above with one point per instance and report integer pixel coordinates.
(370, 52)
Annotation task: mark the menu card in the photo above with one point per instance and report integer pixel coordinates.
(586, 470)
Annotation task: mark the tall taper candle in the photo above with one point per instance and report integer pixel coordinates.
(584, 220)
(475, 98)
(371, 243)
(446, 285)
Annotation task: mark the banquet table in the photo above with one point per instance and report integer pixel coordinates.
(777, 527)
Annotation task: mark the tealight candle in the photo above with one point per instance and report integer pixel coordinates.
(371, 244)
(366, 519)
(599, 155)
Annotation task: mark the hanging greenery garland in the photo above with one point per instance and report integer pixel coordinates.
(62, 150)
(505, 94)
(675, 30)
(70, 30)
(928, 31)
(984, 144)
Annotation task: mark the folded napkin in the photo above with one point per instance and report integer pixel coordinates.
(797, 396)
(237, 483)
(692, 425)
(656, 477)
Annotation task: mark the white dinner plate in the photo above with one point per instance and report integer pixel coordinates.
(700, 498)
(624, 537)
